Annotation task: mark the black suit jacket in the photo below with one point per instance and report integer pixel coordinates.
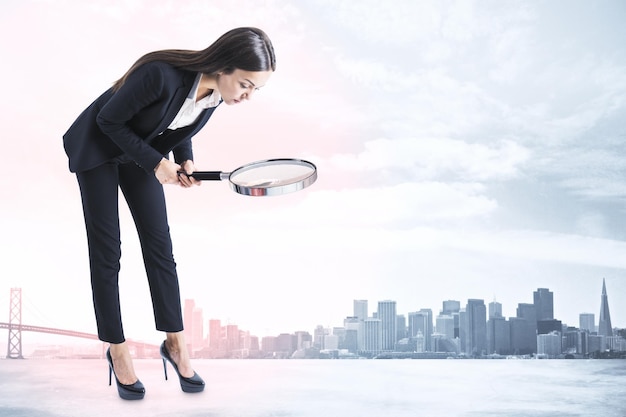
(133, 121)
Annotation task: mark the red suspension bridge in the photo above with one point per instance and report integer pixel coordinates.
(15, 327)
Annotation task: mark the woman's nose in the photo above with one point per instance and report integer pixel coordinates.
(247, 95)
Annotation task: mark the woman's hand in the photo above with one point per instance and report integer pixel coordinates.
(187, 181)
(167, 172)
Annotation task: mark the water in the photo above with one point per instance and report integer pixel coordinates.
(323, 388)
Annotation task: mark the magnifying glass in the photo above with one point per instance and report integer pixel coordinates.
(265, 178)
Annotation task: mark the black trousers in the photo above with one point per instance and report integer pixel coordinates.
(145, 198)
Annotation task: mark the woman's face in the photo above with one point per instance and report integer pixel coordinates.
(240, 85)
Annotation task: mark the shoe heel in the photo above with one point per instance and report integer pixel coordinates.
(164, 370)
(110, 372)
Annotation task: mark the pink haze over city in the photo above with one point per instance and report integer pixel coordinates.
(465, 150)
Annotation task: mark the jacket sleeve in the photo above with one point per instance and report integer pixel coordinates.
(183, 152)
(144, 87)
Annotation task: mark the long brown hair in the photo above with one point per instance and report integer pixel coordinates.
(245, 48)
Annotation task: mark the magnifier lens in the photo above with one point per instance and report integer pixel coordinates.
(266, 175)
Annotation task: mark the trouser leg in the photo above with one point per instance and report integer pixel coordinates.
(146, 200)
(99, 194)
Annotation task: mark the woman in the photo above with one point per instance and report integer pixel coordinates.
(123, 140)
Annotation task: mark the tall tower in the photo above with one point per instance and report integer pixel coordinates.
(361, 313)
(604, 325)
(476, 327)
(527, 335)
(495, 309)
(388, 324)
(543, 299)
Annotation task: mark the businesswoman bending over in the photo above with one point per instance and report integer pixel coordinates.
(122, 140)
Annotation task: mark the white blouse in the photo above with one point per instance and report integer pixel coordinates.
(191, 108)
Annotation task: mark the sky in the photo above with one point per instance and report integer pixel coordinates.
(464, 150)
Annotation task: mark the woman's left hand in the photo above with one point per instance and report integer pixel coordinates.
(187, 181)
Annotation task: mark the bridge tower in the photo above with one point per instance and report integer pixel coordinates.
(14, 349)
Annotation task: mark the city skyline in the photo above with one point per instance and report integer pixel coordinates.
(447, 323)
(603, 307)
(422, 320)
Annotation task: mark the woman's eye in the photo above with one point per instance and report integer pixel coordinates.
(243, 85)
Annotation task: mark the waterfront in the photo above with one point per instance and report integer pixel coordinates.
(307, 388)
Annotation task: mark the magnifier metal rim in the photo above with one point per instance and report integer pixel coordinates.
(276, 189)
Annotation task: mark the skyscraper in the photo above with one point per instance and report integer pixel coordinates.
(452, 308)
(445, 326)
(476, 330)
(388, 324)
(587, 322)
(373, 335)
(498, 336)
(215, 334)
(360, 309)
(527, 312)
(422, 321)
(604, 324)
(401, 327)
(495, 309)
(543, 299)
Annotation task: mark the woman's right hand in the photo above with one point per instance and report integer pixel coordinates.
(166, 172)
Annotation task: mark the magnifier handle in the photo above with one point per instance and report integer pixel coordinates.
(207, 175)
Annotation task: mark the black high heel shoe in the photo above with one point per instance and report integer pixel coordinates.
(192, 384)
(134, 391)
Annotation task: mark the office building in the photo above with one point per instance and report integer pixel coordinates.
(445, 326)
(373, 335)
(233, 339)
(595, 343)
(549, 345)
(523, 341)
(331, 342)
(304, 340)
(543, 300)
(476, 327)
(549, 326)
(452, 308)
(422, 322)
(318, 336)
(587, 322)
(215, 334)
(360, 309)
(401, 327)
(575, 341)
(285, 345)
(354, 332)
(529, 313)
(495, 309)
(388, 324)
(498, 336)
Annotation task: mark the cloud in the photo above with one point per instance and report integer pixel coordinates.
(432, 159)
